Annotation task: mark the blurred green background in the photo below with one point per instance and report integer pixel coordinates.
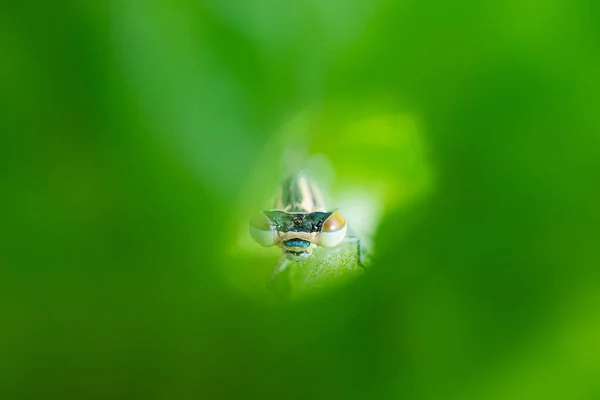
(138, 136)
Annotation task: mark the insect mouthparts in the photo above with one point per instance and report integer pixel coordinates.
(297, 243)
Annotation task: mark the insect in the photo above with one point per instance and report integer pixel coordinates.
(300, 223)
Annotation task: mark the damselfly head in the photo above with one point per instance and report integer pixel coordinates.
(298, 232)
(299, 221)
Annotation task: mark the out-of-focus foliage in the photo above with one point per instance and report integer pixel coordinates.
(138, 136)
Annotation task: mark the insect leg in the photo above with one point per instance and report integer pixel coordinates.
(359, 253)
(274, 284)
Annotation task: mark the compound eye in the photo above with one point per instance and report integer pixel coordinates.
(263, 231)
(333, 230)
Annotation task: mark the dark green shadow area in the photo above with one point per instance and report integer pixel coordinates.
(137, 139)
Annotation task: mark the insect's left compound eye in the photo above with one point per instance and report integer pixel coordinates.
(333, 230)
(263, 231)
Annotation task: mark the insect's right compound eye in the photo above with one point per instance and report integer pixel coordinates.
(333, 230)
(263, 231)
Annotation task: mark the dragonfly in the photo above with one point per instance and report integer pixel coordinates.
(300, 224)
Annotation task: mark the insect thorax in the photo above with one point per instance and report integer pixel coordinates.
(299, 194)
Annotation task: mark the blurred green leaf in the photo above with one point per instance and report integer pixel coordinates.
(139, 137)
